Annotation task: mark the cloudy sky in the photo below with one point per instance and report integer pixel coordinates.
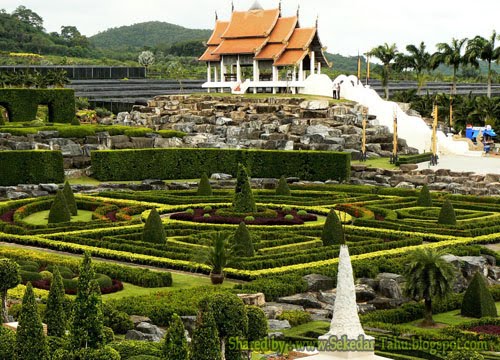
(346, 27)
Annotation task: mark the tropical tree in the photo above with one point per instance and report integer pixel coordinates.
(386, 54)
(451, 55)
(177, 71)
(9, 278)
(218, 257)
(483, 49)
(418, 59)
(146, 59)
(428, 277)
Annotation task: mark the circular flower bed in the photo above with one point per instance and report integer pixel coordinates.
(261, 217)
(486, 329)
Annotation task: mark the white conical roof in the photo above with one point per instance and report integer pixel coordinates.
(256, 6)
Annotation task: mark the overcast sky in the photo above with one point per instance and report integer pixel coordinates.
(345, 26)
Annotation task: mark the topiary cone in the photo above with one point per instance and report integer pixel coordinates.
(478, 301)
(447, 214)
(424, 197)
(204, 187)
(59, 212)
(283, 189)
(70, 199)
(333, 233)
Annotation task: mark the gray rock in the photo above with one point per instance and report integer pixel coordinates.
(137, 319)
(307, 300)
(365, 308)
(39, 193)
(382, 303)
(494, 272)
(189, 323)
(314, 105)
(168, 143)
(316, 282)
(405, 185)
(320, 314)
(150, 329)
(71, 150)
(398, 278)
(272, 312)
(285, 307)
(16, 195)
(221, 176)
(278, 325)
(364, 293)
(139, 336)
(390, 289)
(257, 299)
(327, 296)
(276, 335)
(51, 188)
(49, 134)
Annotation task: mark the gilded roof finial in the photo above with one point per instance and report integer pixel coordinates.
(216, 16)
(280, 7)
(298, 10)
(232, 6)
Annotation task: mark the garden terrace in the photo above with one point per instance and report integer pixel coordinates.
(379, 224)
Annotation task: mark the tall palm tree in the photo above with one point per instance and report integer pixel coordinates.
(451, 55)
(418, 59)
(484, 49)
(428, 277)
(386, 54)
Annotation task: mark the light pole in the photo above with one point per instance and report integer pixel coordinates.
(363, 138)
(434, 156)
(394, 156)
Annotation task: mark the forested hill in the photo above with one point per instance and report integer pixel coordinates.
(147, 34)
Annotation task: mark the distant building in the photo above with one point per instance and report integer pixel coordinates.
(259, 50)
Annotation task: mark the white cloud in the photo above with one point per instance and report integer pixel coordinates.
(345, 26)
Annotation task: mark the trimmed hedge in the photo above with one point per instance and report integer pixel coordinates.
(31, 167)
(414, 159)
(188, 163)
(22, 104)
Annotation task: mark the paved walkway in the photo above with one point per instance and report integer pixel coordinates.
(480, 165)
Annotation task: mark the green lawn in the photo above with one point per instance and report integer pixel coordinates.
(40, 218)
(381, 163)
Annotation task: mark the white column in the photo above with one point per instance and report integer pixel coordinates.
(209, 75)
(313, 62)
(255, 74)
(294, 78)
(216, 73)
(275, 77)
(301, 71)
(222, 72)
(319, 68)
(238, 70)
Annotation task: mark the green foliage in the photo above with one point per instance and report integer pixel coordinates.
(163, 163)
(218, 255)
(289, 217)
(59, 211)
(424, 197)
(428, 276)
(175, 345)
(257, 324)
(131, 348)
(9, 278)
(31, 167)
(333, 233)
(283, 189)
(87, 322)
(105, 353)
(478, 301)
(464, 355)
(154, 231)
(31, 341)
(242, 242)
(243, 198)
(204, 187)
(7, 343)
(276, 286)
(102, 112)
(447, 214)
(55, 315)
(82, 103)
(413, 159)
(118, 321)
(295, 317)
(22, 104)
(70, 199)
(205, 343)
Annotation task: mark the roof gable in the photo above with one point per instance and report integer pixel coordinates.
(253, 23)
(283, 30)
(220, 27)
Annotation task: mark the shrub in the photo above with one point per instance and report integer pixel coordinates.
(190, 211)
(82, 103)
(464, 355)
(478, 301)
(59, 212)
(31, 167)
(204, 187)
(70, 199)
(333, 233)
(289, 217)
(207, 208)
(22, 104)
(249, 218)
(302, 213)
(447, 214)
(242, 242)
(257, 324)
(206, 215)
(283, 189)
(46, 275)
(295, 317)
(154, 231)
(163, 163)
(118, 321)
(102, 112)
(205, 343)
(75, 122)
(166, 134)
(424, 197)
(7, 343)
(175, 345)
(55, 316)
(287, 209)
(130, 348)
(9, 278)
(243, 197)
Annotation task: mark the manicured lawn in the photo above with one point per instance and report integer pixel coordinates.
(381, 163)
(40, 218)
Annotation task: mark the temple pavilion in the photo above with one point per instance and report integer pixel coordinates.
(261, 51)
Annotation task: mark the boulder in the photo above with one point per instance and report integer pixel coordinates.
(138, 336)
(137, 319)
(307, 300)
(150, 329)
(51, 188)
(408, 167)
(189, 323)
(272, 312)
(221, 176)
(398, 278)
(16, 195)
(327, 297)
(364, 293)
(494, 272)
(257, 299)
(320, 314)
(314, 105)
(383, 303)
(275, 325)
(390, 289)
(316, 282)
(168, 143)
(71, 150)
(365, 308)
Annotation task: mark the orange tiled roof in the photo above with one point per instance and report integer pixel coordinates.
(240, 46)
(291, 57)
(301, 38)
(207, 56)
(220, 27)
(271, 52)
(253, 23)
(283, 29)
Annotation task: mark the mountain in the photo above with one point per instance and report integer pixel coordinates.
(148, 34)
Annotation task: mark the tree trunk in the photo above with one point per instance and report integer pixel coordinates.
(489, 79)
(454, 85)
(5, 313)
(223, 348)
(428, 320)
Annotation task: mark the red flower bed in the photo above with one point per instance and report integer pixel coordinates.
(8, 217)
(486, 329)
(216, 219)
(112, 216)
(45, 285)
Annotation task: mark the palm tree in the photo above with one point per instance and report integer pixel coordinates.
(428, 277)
(451, 55)
(487, 109)
(484, 49)
(386, 54)
(419, 60)
(218, 257)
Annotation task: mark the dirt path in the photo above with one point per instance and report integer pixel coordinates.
(494, 247)
(50, 251)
